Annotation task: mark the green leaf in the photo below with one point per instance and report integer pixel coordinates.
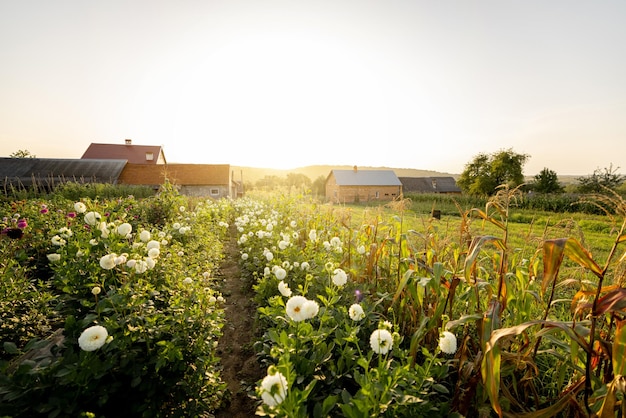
(10, 348)
(441, 388)
(490, 365)
(462, 320)
(475, 247)
(405, 278)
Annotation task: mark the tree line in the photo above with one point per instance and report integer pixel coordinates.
(485, 173)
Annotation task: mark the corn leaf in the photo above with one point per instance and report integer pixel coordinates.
(403, 282)
(554, 409)
(486, 217)
(462, 320)
(553, 252)
(612, 301)
(490, 365)
(552, 259)
(608, 405)
(474, 249)
(619, 349)
(576, 252)
(586, 295)
(576, 331)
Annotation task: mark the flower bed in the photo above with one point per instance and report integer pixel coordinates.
(332, 345)
(110, 307)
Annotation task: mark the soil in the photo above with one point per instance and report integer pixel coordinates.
(241, 371)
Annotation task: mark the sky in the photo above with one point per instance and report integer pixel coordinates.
(424, 84)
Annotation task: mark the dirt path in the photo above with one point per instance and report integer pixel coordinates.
(241, 371)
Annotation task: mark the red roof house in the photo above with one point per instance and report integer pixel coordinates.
(134, 154)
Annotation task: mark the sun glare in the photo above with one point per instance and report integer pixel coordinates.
(287, 97)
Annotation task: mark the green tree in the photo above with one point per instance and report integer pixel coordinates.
(486, 172)
(546, 182)
(298, 180)
(270, 182)
(600, 180)
(22, 153)
(319, 186)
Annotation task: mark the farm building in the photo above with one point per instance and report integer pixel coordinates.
(211, 180)
(445, 185)
(348, 186)
(134, 154)
(214, 180)
(141, 165)
(46, 173)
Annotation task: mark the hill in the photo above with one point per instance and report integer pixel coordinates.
(253, 174)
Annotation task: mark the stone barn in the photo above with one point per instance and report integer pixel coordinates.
(352, 186)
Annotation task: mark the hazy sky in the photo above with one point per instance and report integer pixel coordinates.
(406, 84)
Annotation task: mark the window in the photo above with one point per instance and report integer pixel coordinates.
(149, 156)
(215, 192)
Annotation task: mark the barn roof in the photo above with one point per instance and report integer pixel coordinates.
(429, 185)
(181, 174)
(22, 171)
(135, 154)
(366, 178)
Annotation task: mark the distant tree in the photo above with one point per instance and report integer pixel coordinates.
(298, 180)
(269, 183)
(600, 180)
(486, 172)
(23, 153)
(319, 186)
(547, 181)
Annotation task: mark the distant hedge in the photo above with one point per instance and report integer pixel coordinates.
(559, 203)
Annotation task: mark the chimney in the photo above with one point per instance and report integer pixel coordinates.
(355, 169)
(128, 141)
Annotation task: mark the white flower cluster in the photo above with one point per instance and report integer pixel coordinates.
(284, 289)
(274, 388)
(339, 277)
(300, 308)
(93, 338)
(139, 262)
(181, 229)
(334, 245)
(356, 312)
(381, 341)
(447, 342)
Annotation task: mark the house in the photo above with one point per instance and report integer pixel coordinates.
(213, 180)
(47, 173)
(142, 165)
(348, 186)
(147, 166)
(134, 154)
(446, 185)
